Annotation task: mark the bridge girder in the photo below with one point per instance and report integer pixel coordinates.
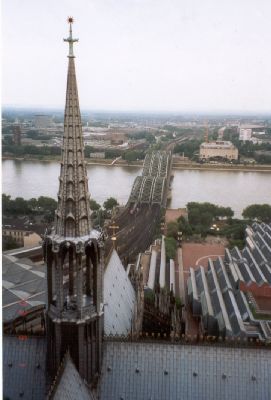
(149, 188)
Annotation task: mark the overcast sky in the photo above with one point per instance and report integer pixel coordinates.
(141, 55)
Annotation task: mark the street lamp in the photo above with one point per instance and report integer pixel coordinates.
(180, 235)
(114, 227)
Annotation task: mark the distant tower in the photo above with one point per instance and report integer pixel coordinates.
(73, 252)
(16, 135)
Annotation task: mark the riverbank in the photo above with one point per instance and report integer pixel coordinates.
(222, 167)
(139, 164)
(98, 162)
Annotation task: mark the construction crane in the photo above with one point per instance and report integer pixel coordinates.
(206, 136)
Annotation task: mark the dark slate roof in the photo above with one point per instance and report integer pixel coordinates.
(155, 371)
(23, 286)
(70, 385)
(22, 224)
(24, 368)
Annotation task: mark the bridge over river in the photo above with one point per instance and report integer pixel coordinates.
(140, 219)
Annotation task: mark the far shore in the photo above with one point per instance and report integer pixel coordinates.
(222, 167)
(139, 164)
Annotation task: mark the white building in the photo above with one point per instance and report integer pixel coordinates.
(247, 131)
(223, 149)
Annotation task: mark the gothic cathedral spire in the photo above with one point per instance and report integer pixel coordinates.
(73, 252)
(73, 212)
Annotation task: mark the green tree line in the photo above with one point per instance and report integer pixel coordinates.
(46, 206)
(202, 217)
(31, 150)
(189, 148)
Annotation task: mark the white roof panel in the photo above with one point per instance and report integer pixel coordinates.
(119, 298)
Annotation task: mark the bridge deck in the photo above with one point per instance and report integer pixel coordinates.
(138, 222)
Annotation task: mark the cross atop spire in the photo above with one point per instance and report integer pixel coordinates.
(70, 39)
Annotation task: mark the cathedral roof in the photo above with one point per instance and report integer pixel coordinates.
(24, 370)
(142, 370)
(156, 371)
(69, 384)
(119, 298)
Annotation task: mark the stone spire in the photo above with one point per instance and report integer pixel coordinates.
(73, 212)
(74, 255)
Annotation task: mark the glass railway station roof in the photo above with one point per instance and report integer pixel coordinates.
(23, 286)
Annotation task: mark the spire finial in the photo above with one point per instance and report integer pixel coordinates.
(70, 39)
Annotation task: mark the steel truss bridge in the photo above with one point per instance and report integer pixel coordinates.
(138, 222)
(151, 186)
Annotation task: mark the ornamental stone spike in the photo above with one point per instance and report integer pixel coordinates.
(70, 39)
(73, 211)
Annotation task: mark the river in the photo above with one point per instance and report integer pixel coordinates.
(236, 189)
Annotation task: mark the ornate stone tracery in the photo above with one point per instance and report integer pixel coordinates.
(73, 252)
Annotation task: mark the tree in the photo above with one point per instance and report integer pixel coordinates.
(188, 148)
(7, 140)
(185, 227)
(149, 296)
(235, 232)
(110, 203)
(112, 153)
(206, 219)
(172, 229)
(30, 149)
(171, 246)
(47, 203)
(205, 213)
(194, 216)
(150, 139)
(133, 155)
(263, 158)
(88, 150)
(19, 206)
(142, 135)
(94, 206)
(33, 203)
(9, 243)
(260, 212)
(224, 212)
(5, 203)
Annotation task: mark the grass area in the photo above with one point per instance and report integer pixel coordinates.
(259, 316)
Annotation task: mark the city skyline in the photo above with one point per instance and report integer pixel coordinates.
(138, 299)
(140, 57)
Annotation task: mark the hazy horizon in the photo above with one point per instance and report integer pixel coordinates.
(184, 113)
(147, 56)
